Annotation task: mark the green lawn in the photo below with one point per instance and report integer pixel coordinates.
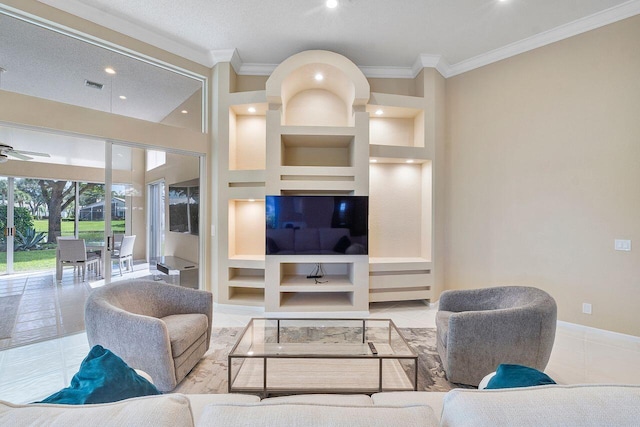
(30, 260)
(91, 231)
(84, 226)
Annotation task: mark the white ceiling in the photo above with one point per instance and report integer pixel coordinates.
(43, 63)
(381, 36)
(392, 38)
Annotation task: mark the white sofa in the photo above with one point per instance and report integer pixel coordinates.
(554, 405)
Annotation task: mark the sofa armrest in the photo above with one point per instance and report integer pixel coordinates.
(549, 405)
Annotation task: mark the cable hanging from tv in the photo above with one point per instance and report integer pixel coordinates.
(317, 273)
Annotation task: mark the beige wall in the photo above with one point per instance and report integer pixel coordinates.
(543, 173)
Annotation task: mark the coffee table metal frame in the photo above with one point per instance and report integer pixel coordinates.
(408, 354)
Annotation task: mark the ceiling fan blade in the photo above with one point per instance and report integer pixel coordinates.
(32, 153)
(18, 155)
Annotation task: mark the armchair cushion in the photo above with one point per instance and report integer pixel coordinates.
(103, 377)
(184, 330)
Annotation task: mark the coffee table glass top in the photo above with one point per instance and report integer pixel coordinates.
(324, 355)
(321, 337)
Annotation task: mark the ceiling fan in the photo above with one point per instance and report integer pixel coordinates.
(7, 151)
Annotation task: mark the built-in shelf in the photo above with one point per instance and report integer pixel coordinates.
(246, 228)
(247, 136)
(327, 283)
(399, 279)
(246, 261)
(317, 150)
(246, 295)
(246, 277)
(396, 120)
(317, 300)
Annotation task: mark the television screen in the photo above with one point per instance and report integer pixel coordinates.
(317, 225)
(184, 201)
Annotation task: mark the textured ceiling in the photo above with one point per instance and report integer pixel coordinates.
(380, 33)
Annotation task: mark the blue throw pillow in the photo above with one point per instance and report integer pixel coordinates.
(511, 376)
(103, 377)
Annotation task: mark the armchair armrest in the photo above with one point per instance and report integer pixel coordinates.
(181, 300)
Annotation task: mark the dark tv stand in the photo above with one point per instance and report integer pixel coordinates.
(185, 271)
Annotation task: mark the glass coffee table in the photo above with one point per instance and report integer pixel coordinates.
(291, 356)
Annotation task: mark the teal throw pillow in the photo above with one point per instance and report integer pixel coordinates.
(511, 376)
(103, 377)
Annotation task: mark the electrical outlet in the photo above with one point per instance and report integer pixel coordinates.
(622, 245)
(586, 308)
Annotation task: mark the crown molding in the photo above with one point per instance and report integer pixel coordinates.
(225, 55)
(430, 61)
(210, 58)
(588, 23)
(256, 69)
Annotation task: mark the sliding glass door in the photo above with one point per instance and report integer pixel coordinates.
(6, 224)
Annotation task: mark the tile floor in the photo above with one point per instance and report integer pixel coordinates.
(45, 311)
(580, 355)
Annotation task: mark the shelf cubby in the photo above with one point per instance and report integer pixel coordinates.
(247, 137)
(399, 279)
(317, 150)
(246, 296)
(396, 120)
(246, 277)
(329, 301)
(246, 228)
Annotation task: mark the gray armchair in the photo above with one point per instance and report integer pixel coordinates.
(161, 329)
(481, 328)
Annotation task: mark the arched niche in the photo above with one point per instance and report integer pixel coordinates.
(307, 101)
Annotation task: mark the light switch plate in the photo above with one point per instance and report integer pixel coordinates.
(622, 245)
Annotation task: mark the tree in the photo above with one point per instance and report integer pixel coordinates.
(92, 195)
(31, 187)
(58, 195)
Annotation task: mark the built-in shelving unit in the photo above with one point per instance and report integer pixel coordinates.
(301, 136)
(343, 288)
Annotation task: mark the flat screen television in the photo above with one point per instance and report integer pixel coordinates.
(184, 205)
(317, 225)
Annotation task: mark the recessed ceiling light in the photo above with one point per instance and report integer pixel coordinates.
(332, 4)
(110, 70)
(319, 77)
(184, 111)
(251, 109)
(409, 161)
(379, 112)
(122, 97)
(373, 161)
(252, 200)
